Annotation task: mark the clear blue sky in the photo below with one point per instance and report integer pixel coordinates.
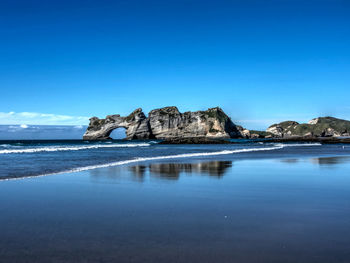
(261, 61)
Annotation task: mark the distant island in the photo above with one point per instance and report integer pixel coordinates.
(169, 124)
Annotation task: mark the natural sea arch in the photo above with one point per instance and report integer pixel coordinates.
(118, 133)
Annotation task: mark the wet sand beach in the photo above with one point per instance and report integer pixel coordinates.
(217, 210)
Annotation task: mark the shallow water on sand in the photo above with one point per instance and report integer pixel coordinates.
(204, 209)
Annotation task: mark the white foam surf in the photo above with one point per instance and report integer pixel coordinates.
(175, 156)
(143, 159)
(71, 148)
(276, 146)
(297, 144)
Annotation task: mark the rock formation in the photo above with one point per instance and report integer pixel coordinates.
(136, 125)
(318, 127)
(167, 123)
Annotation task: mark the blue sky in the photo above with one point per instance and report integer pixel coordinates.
(261, 61)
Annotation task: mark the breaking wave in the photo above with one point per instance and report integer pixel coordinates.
(143, 159)
(272, 147)
(5, 145)
(71, 148)
(298, 144)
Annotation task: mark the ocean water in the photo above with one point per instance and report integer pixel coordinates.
(37, 158)
(119, 201)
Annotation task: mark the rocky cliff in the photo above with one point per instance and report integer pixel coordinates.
(136, 125)
(167, 123)
(318, 127)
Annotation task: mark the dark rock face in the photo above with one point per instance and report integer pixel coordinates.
(195, 140)
(136, 125)
(167, 123)
(319, 127)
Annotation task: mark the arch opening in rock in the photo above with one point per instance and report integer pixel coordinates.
(118, 133)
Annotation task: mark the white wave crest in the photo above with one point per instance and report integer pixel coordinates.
(72, 148)
(176, 156)
(297, 144)
(143, 159)
(184, 155)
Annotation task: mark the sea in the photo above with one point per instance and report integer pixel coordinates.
(141, 201)
(20, 159)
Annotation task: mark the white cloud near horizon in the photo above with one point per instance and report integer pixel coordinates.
(37, 118)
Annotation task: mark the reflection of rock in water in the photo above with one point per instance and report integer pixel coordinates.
(166, 170)
(120, 173)
(326, 161)
(173, 170)
(138, 170)
(289, 160)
